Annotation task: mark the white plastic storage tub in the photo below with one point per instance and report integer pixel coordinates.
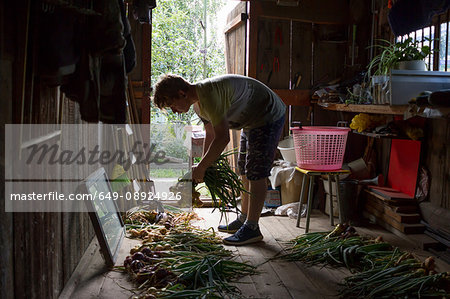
(287, 149)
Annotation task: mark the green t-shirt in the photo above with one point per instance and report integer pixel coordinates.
(246, 102)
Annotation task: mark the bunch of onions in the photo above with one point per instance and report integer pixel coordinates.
(223, 183)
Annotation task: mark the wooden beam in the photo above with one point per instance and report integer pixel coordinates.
(138, 94)
(378, 109)
(40, 139)
(146, 73)
(318, 12)
(146, 67)
(137, 83)
(295, 97)
(254, 12)
(85, 262)
(236, 22)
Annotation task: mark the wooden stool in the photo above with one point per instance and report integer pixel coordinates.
(309, 175)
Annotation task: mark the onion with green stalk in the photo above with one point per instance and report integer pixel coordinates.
(222, 182)
(382, 271)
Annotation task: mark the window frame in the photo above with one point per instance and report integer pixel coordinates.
(435, 28)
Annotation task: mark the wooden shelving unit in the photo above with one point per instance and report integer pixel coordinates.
(377, 109)
(375, 135)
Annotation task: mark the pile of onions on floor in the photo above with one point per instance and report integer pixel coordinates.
(380, 270)
(181, 261)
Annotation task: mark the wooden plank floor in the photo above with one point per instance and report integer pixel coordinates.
(98, 282)
(281, 279)
(278, 279)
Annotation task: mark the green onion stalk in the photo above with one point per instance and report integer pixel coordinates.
(187, 262)
(382, 271)
(222, 182)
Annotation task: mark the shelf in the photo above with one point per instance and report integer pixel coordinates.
(378, 109)
(375, 135)
(404, 110)
(429, 111)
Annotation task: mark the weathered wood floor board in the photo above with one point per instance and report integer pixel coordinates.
(277, 279)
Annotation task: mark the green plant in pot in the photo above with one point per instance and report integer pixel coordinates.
(399, 56)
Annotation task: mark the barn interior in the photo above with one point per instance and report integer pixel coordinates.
(77, 83)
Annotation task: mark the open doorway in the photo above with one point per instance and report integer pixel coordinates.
(187, 40)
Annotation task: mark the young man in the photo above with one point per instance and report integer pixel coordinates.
(232, 102)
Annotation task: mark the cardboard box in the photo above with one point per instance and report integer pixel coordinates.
(290, 191)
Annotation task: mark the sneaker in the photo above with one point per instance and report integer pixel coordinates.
(245, 235)
(231, 228)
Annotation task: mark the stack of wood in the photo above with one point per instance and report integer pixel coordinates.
(401, 214)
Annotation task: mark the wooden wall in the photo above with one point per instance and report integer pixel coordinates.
(39, 251)
(236, 57)
(6, 100)
(309, 41)
(45, 248)
(436, 157)
(235, 40)
(279, 21)
(302, 53)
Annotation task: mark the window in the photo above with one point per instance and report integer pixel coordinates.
(439, 59)
(443, 46)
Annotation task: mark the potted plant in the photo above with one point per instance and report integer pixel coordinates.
(405, 55)
(402, 55)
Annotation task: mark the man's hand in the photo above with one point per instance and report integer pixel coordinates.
(218, 144)
(198, 173)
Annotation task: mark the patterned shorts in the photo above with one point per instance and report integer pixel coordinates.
(257, 150)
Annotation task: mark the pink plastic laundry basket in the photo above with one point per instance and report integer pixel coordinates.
(320, 148)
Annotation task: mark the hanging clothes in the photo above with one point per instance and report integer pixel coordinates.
(129, 51)
(58, 49)
(99, 83)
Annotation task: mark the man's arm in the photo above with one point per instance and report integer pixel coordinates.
(209, 137)
(219, 141)
(208, 129)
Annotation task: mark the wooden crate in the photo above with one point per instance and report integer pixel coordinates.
(401, 215)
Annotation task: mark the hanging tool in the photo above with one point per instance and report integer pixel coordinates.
(297, 80)
(275, 67)
(276, 64)
(278, 39)
(269, 76)
(276, 61)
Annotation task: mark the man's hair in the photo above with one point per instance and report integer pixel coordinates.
(167, 89)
